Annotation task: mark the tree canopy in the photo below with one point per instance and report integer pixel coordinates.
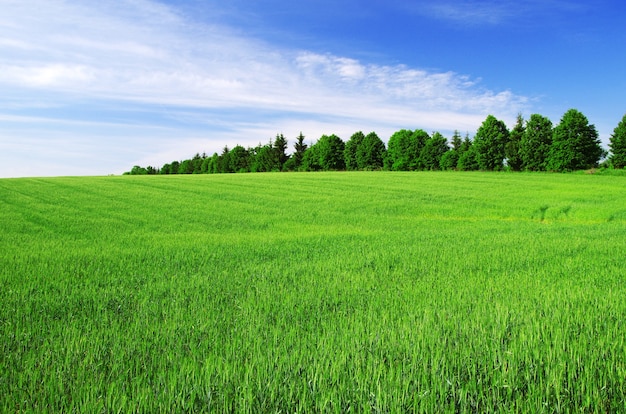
(575, 144)
(618, 145)
(534, 145)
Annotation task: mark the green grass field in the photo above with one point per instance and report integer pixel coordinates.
(314, 292)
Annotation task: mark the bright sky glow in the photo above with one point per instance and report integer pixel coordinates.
(95, 87)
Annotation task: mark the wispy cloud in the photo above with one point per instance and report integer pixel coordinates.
(489, 12)
(140, 56)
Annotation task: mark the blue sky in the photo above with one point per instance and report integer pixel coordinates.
(93, 87)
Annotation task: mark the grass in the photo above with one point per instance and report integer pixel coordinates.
(313, 292)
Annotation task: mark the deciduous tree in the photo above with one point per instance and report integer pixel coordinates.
(350, 150)
(513, 146)
(575, 144)
(434, 149)
(370, 153)
(618, 145)
(489, 144)
(403, 150)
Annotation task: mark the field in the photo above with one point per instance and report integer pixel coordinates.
(314, 292)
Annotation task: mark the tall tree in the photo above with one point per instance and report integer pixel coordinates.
(489, 144)
(370, 153)
(434, 149)
(280, 148)
(457, 141)
(512, 148)
(350, 151)
(575, 144)
(223, 161)
(536, 142)
(300, 148)
(618, 145)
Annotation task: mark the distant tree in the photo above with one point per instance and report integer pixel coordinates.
(280, 148)
(370, 153)
(450, 159)
(204, 167)
(265, 159)
(196, 164)
(239, 159)
(489, 143)
(457, 141)
(575, 144)
(350, 151)
(311, 159)
(174, 167)
(300, 148)
(186, 167)
(512, 148)
(467, 156)
(618, 145)
(326, 154)
(331, 152)
(433, 150)
(137, 170)
(403, 150)
(213, 165)
(536, 142)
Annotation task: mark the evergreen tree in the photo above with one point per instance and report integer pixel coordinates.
(618, 145)
(536, 142)
(280, 148)
(350, 151)
(489, 143)
(457, 141)
(300, 148)
(512, 148)
(575, 144)
(223, 161)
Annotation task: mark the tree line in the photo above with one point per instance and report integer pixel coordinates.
(532, 145)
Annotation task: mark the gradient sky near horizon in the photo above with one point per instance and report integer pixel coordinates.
(93, 87)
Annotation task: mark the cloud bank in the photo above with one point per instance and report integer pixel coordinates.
(132, 81)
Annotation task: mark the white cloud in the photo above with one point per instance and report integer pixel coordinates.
(141, 54)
